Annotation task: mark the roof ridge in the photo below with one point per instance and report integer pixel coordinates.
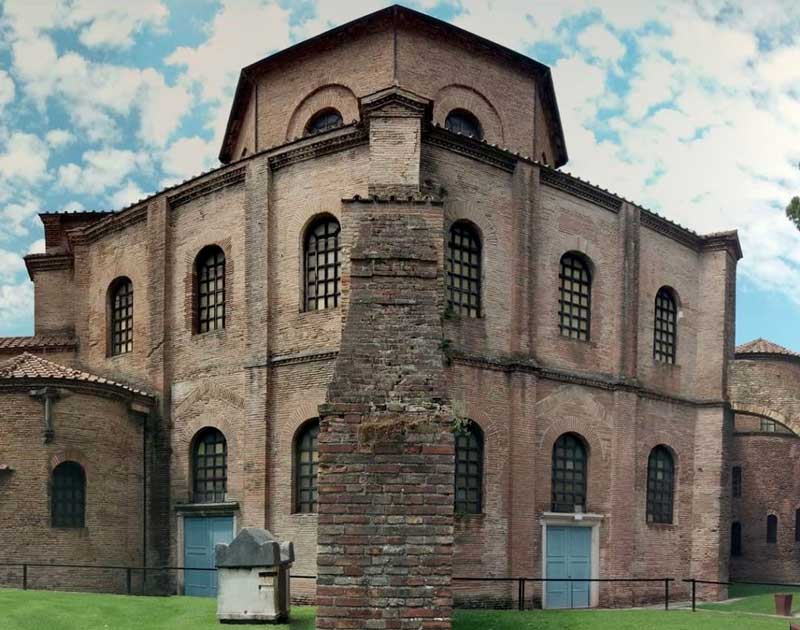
(760, 345)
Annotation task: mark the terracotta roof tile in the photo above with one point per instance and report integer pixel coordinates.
(38, 341)
(763, 346)
(29, 366)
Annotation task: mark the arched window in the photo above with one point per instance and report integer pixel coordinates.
(569, 474)
(469, 470)
(736, 539)
(464, 270)
(660, 485)
(68, 496)
(210, 289)
(121, 307)
(772, 528)
(323, 121)
(322, 264)
(575, 300)
(306, 463)
(665, 326)
(736, 481)
(464, 122)
(210, 466)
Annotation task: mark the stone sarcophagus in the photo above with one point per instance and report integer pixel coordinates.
(253, 574)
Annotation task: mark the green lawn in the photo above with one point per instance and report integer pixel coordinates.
(37, 610)
(755, 599)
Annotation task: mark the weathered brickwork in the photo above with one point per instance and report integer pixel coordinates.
(390, 366)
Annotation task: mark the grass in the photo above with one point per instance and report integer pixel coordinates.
(34, 610)
(754, 599)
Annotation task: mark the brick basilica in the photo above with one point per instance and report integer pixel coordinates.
(388, 329)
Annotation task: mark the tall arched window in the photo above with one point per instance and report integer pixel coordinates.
(121, 308)
(464, 270)
(575, 299)
(665, 326)
(660, 485)
(469, 470)
(569, 474)
(464, 122)
(68, 496)
(736, 539)
(210, 466)
(306, 462)
(772, 528)
(210, 289)
(321, 264)
(323, 121)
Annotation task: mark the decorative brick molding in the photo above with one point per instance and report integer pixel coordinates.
(672, 230)
(577, 188)
(317, 146)
(207, 186)
(471, 148)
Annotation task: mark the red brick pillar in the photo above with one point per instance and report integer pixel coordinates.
(386, 444)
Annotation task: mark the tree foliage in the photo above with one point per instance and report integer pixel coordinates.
(793, 211)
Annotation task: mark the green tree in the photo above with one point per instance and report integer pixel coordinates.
(793, 211)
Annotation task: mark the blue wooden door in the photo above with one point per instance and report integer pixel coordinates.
(569, 553)
(201, 535)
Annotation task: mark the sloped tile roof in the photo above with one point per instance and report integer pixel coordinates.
(38, 341)
(29, 366)
(763, 346)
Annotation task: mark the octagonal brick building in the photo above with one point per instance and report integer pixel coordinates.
(388, 319)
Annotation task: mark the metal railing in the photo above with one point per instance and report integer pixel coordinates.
(695, 582)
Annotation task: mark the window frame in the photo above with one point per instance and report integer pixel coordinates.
(772, 529)
(306, 440)
(68, 512)
(660, 504)
(575, 261)
(201, 496)
(464, 239)
(473, 481)
(466, 119)
(736, 539)
(202, 324)
(582, 492)
(665, 341)
(326, 221)
(736, 482)
(120, 316)
(327, 112)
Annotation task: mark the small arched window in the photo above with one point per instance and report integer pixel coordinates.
(306, 463)
(736, 481)
(324, 121)
(772, 528)
(665, 326)
(68, 496)
(469, 470)
(321, 264)
(660, 485)
(569, 474)
(736, 539)
(464, 122)
(575, 297)
(210, 466)
(464, 270)
(121, 308)
(210, 289)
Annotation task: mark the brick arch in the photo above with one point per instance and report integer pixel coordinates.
(766, 412)
(209, 391)
(190, 428)
(572, 424)
(302, 413)
(475, 214)
(71, 455)
(333, 95)
(190, 282)
(461, 96)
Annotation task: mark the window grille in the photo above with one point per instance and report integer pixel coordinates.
(575, 301)
(324, 121)
(210, 467)
(736, 481)
(569, 474)
(322, 265)
(306, 466)
(665, 327)
(660, 485)
(769, 426)
(68, 496)
(464, 270)
(122, 317)
(463, 122)
(469, 470)
(210, 306)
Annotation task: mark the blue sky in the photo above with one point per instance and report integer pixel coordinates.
(691, 109)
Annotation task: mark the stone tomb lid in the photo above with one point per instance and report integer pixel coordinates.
(254, 547)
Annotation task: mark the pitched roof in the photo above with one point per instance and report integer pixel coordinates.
(38, 342)
(29, 366)
(763, 346)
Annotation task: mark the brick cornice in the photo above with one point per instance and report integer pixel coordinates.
(577, 188)
(471, 148)
(401, 102)
(671, 230)
(105, 390)
(728, 241)
(206, 187)
(47, 262)
(317, 146)
(299, 357)
(109, 225)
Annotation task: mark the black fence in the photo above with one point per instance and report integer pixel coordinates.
(694, 584)
(497, 592)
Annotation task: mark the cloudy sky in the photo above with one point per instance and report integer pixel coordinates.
(691, 109)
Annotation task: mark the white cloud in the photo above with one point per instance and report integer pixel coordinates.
(15, 218)
(11, 264)
(127, 195)
(16, 302)
(58, 138)
(37, 247)
(101, 170)
(188, 157)
(601, 43)
(24, 158)
(7, 90)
